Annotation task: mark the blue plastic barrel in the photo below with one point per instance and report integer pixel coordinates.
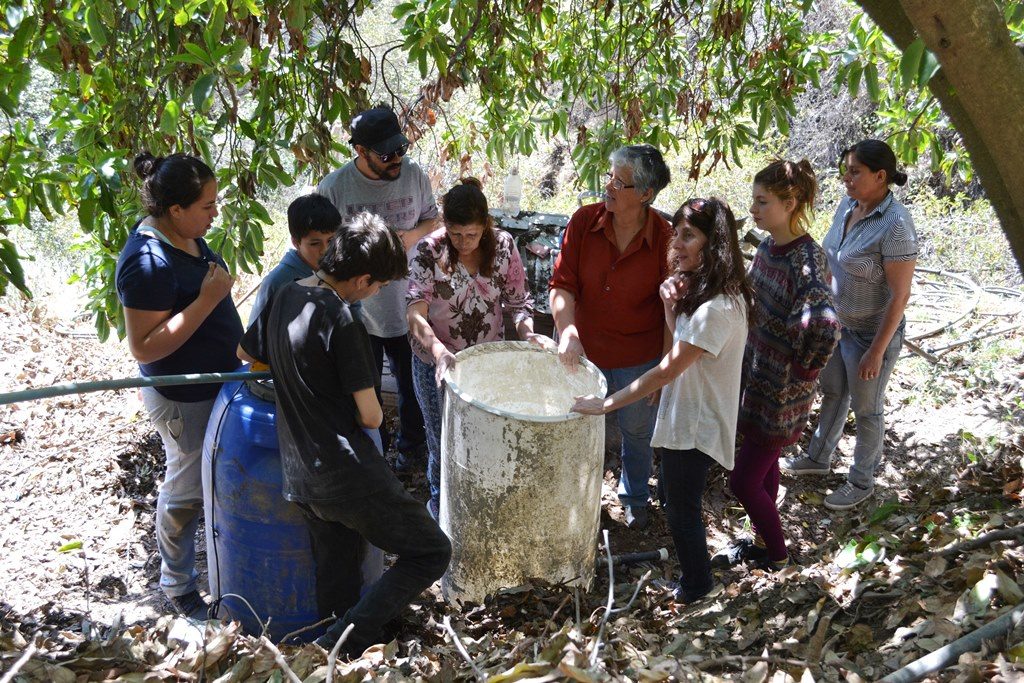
(257, 545)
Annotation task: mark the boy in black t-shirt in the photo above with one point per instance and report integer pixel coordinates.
(324, 376)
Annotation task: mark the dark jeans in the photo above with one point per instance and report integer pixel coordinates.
(338, 554)
(398, 524)
(683, 476)
(410, 428)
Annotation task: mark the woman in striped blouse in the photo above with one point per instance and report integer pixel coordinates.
(872, 250)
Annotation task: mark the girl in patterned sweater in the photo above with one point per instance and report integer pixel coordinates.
(794, 332)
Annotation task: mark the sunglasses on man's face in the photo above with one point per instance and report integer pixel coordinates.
(398, 153)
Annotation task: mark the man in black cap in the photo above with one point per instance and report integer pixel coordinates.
(386, 182)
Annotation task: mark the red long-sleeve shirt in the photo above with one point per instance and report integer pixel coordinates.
(619, 315)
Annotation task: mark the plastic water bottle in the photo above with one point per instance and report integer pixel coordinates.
(513, 191)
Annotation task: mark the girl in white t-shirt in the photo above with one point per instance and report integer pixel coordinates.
(706, 301)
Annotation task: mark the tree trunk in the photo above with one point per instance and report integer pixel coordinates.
(980, 87)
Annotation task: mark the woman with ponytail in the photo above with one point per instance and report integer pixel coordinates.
(706, 300)
(461, 277)
(179, 318)
(794, 334)
(872, 251)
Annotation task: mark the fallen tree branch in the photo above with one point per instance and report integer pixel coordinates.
(462, 649)
(976, 337)
(22, 661)
(743, 660)
(332, 658)
(611, 602)
(944, 656)
(280, 660)
(305, 629)
(930, 357)
(1012, 533)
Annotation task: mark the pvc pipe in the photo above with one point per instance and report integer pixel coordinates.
(127, 383)
(944, 656)
(659, 555)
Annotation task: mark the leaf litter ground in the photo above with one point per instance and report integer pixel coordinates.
(872, 589)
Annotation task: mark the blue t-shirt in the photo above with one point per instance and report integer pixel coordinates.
(290, 269)
(155, 276)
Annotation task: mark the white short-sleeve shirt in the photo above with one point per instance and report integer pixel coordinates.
(698, 409)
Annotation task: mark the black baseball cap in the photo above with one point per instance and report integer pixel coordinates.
(378, 129)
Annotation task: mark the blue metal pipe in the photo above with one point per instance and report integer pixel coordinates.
(127, 383)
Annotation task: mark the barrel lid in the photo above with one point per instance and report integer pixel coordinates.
(498, 346)
(262, 389)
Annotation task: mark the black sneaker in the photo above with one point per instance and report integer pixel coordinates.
(690, 597)
(743, 550)
(411, 459)
(773, 565)
(637, 517)
(350, 649)
(190, 604)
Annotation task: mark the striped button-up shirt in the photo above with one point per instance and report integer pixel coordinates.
(857, 256)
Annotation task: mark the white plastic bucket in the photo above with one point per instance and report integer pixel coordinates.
(520, 475)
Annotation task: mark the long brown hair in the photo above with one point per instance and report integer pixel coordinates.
(465, 204)
(721, 270)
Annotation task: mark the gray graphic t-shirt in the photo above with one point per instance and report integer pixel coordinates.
(402, 203)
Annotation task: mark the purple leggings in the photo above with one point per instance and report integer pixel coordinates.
(755, 482)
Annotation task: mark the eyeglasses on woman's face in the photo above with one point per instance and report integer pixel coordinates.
(616, 184)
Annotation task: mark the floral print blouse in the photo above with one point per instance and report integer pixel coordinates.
(465, 309)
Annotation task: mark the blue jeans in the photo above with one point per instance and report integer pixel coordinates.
(431, 400)
(636, 422)
(842, 389)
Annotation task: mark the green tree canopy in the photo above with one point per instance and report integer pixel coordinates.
(256, 86)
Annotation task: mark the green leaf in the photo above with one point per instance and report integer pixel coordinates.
(95, 25)
(202, 91)
(189, 59)
(69, 546)
(929, 65)
(871, 81)
(9, 106)
(102, 326)
(884, 511)
(10, 261)
(16, 48)
(169, 118)
(199, 53)
(910, 63)
(403, 9)
(853, 78)
(215, 27)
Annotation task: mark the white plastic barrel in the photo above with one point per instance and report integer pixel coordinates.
(520, 475)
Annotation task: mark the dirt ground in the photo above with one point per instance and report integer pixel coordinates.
(78, 479)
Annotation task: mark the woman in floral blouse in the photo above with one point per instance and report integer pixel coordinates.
(460, 278)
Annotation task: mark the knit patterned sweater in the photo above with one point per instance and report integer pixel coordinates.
(794, 331)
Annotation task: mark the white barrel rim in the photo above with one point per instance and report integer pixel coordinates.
(497, 346)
